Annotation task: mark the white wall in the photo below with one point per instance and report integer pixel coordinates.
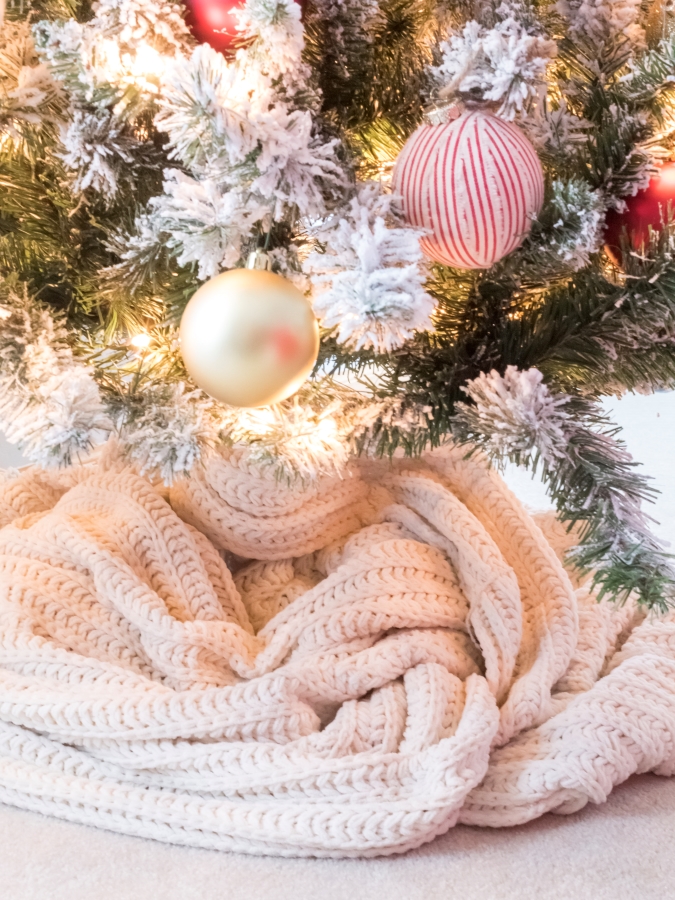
(648, 428)
(9, 455)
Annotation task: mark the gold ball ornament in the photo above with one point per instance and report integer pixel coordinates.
(249, 338)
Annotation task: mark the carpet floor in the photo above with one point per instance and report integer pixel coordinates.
(622, 850)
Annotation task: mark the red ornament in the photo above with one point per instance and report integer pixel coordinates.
(647, 207)
(474, 184)
(213, 22)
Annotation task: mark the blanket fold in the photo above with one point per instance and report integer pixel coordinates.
(348, 669)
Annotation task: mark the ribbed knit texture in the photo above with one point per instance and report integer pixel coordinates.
(387, 654)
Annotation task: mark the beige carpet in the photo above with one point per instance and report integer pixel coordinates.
(622, 850)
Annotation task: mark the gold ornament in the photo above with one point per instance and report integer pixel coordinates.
(249, 338)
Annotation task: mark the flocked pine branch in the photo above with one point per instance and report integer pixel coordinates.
(369, 274)
(605, 23)
(50, 405)
(504, 65)
(587, 471)
(31, 102)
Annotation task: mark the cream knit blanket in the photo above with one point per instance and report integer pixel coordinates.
(405, 652)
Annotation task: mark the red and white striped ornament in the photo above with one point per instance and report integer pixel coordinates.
(474, 185)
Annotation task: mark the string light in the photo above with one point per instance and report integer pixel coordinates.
(141, 341)
(141, 68)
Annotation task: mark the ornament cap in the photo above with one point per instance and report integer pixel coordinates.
(258, 259)
(443, 111)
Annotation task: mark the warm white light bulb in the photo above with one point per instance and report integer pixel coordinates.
(141, 341)
(147, 62)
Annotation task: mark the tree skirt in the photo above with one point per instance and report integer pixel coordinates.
(386, 655)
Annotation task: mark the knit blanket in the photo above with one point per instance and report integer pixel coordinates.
(346, 669)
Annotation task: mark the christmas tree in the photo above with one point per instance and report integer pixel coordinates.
(462, 294)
